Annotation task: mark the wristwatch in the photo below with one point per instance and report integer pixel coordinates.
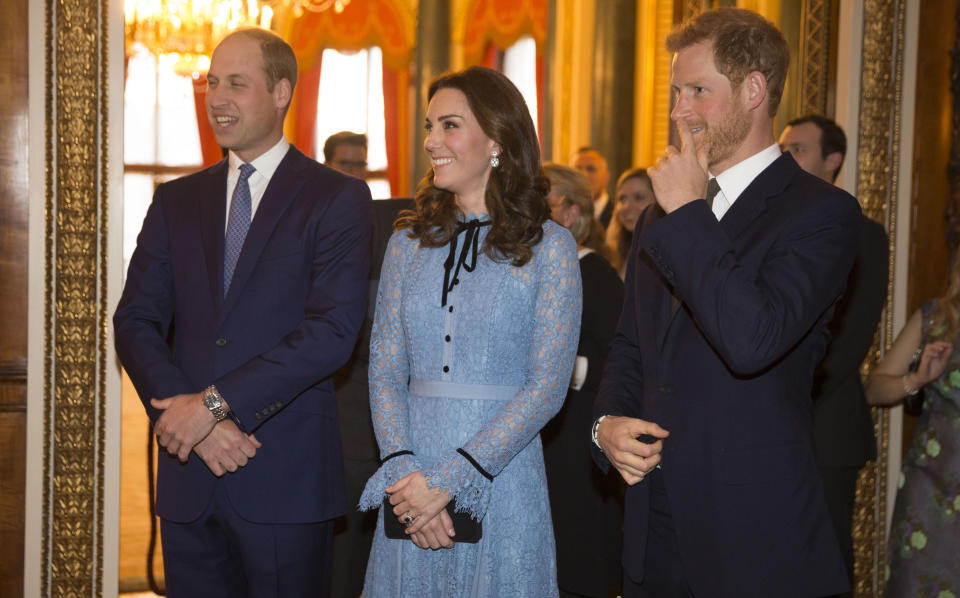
(214, 402)
(593, 432)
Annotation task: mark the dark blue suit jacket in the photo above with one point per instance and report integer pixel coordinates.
(289, 321)
(729, 374)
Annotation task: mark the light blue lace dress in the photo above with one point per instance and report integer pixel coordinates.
(486, 372)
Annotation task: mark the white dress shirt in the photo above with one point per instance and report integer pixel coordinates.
(600, 204)
(738, 177)
(265, 164)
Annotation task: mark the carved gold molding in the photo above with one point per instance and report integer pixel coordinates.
(815, 56)
(75, 296)
(878, 163)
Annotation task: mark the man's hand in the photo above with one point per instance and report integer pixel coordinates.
(436, 533)
(184, 423)
(226, 448)
(410, 496)
(633, 459)
(680, 176)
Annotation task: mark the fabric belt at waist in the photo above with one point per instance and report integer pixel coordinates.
(453, 390)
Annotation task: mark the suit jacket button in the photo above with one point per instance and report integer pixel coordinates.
(222, 342)
(257, 415)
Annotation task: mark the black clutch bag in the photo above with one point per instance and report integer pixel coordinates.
(467, 528)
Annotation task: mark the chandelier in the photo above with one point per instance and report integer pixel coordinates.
(191, 28)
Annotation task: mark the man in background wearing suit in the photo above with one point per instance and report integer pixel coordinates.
(353, 533)
(842, 426)
(728, 295)
(346, 151)
(594, 166)
(244, 296)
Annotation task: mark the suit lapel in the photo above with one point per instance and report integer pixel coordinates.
(213, 207)
(283, 188)
(753, 201)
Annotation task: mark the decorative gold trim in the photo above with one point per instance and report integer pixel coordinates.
(815, 56)
(47, 294)
(75, 301)
(878, 163)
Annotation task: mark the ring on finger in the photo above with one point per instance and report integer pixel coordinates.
(407, 519)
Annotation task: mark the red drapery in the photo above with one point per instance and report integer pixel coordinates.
(492, 24)
(387, 24)
(396, 115)
(302, 117)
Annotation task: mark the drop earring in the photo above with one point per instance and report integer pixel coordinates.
(494, 160)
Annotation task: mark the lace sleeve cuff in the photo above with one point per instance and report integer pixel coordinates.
(388, 474)
(466, 486)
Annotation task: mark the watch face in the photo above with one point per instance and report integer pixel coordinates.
(211, 401)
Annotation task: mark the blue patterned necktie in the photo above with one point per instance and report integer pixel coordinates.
(237, 224)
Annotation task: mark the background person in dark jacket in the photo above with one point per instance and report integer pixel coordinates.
(842, 426)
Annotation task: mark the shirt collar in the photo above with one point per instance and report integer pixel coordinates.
(738, 177)
(265, 164)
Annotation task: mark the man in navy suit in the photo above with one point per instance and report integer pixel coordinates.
(705, 405)
(244, 295)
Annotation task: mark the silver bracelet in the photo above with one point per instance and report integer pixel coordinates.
(910, 390)
(593, 432)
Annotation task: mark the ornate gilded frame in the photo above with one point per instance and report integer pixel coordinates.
(75, 307)
(878, 172)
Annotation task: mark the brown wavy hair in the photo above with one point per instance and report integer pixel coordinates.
(945, 323)
(618, 238)
(516, 194)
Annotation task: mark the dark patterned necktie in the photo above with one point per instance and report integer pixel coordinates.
(713, 187)
(237, 224)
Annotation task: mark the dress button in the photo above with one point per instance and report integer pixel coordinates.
(446, 368)
(451, 309)
(222, 342)
(447, 338)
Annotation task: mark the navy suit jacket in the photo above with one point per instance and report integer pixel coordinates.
(289, 321)
(728, 374)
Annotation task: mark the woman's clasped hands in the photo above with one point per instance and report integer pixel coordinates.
(422, 511)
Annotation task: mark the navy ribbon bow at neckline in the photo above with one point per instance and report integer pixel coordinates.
(471, 243)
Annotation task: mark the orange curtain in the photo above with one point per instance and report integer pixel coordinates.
(302, 118)
(396, 112)
(388, 24)
(541, 98)
(208, 143)
(498, 24)
(502, 22)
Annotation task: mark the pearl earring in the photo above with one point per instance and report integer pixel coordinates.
(494, 160)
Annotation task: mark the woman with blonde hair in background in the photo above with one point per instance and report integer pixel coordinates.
(925, 532)
(586, 505)
(633, 195)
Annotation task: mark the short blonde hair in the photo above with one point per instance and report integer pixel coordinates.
(573, 188)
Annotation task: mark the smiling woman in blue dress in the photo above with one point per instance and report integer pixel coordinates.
(473, 344)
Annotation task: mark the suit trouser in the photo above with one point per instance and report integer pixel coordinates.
(223, 555)
(663, 575)
(840, 488)
(353, 532)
